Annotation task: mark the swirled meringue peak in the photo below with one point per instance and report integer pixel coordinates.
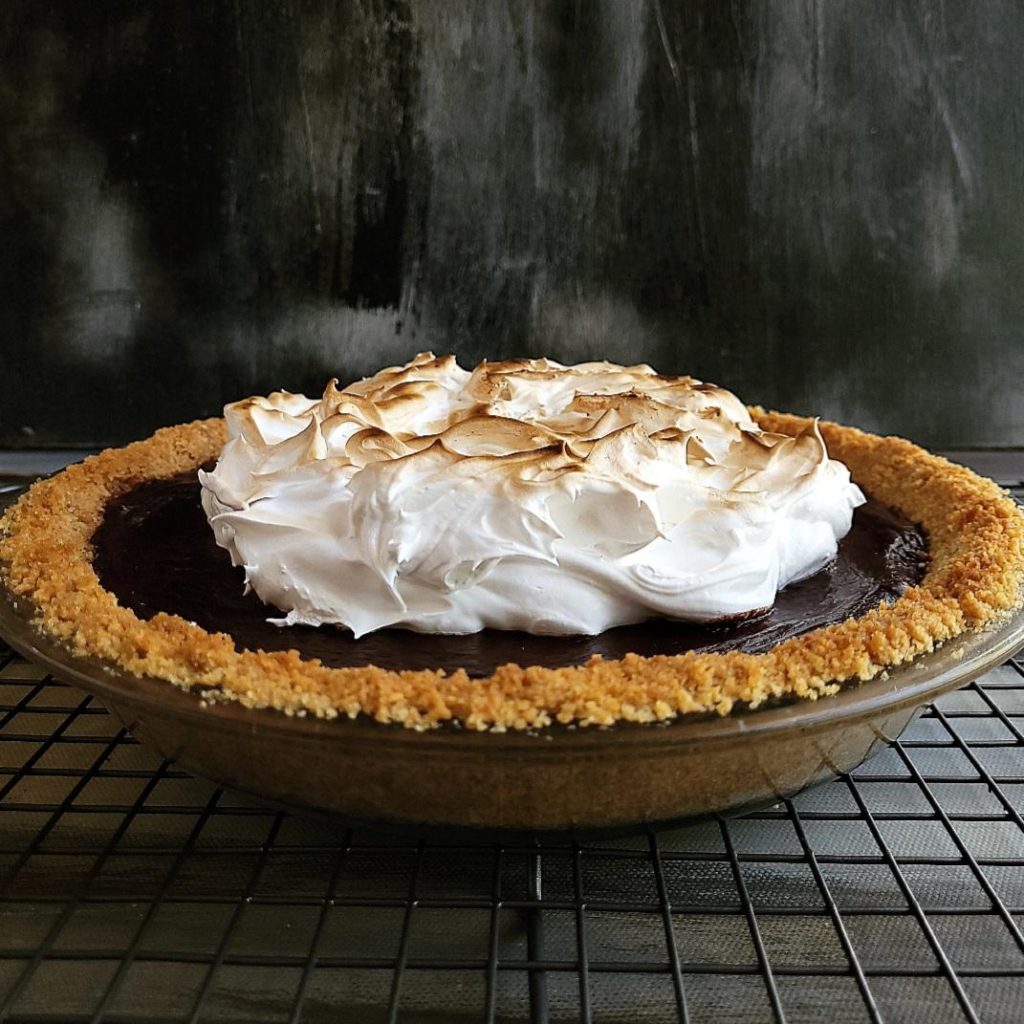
(522, 495)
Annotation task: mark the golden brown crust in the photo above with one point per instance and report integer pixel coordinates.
(976, 537)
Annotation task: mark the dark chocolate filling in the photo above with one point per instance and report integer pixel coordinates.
(155, 551)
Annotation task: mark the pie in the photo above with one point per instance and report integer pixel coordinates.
(953, 562)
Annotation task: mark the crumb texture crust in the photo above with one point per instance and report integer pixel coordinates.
(976, 544)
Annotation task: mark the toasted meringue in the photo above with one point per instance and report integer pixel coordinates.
(522, 495)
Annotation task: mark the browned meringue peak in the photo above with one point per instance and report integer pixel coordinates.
(523, 494)
(508, 407)
(608, 420)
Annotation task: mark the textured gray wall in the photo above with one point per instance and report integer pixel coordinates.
(818, 203)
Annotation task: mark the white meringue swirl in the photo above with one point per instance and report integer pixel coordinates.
(522, 495)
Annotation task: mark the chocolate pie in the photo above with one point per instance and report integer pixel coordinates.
(508, 548)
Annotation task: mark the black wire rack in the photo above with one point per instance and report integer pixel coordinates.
(130, 891)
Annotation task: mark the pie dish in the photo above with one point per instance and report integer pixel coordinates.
(965, 602)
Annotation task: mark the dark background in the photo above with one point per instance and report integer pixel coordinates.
(817, 203)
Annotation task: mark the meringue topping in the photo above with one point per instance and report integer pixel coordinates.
(522, 495)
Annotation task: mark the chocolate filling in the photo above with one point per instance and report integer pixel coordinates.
(155, 551)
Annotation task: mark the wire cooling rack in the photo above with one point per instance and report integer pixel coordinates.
(132, 892)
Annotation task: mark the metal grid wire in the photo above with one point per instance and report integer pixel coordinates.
(130, 891)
